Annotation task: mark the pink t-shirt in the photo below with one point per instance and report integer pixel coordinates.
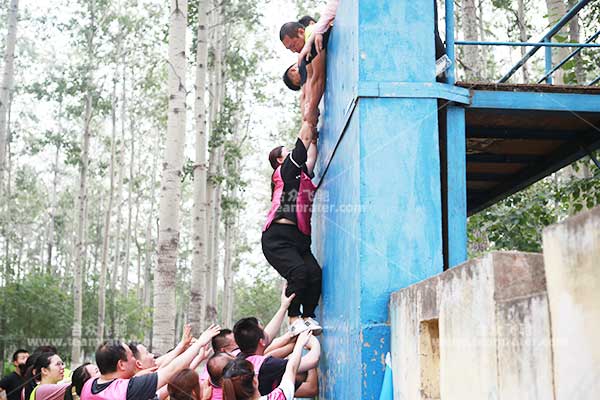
(285, 391)
(51, 391)
(217, 392)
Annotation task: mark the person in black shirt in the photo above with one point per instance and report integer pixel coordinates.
(286, 234)
(14, 382)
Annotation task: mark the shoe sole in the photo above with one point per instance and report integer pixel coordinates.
(316, 331)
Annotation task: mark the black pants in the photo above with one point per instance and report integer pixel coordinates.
(288, 251)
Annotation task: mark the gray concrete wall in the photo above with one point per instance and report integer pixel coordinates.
(509, 325)
(572, 258)
(474, 305)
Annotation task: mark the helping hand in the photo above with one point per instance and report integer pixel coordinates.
(285, 300)
(208, 334)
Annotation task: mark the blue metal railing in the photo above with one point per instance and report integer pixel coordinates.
(545, 42)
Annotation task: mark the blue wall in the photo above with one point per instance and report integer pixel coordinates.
(377, 218)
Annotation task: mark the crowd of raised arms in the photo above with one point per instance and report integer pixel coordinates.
(247, 361)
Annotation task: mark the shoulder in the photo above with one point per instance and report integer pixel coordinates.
(273, 363)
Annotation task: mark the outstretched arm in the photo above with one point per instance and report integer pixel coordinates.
(275, 324)
(185, 342)
(310, 387)
(311, 158)
(316, 84)
(294, 361)
(311, 359)
(184, 360)
(320, 28)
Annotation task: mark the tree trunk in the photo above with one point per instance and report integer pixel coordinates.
(575, 36)
(125, 281)
(227, 276)
(471, 59)
(556, 10)
(214, 171)
(106, 234)
(149, 246)
(523, 36)
(168, 245)
(200, 222)
(81, 201)
(7, 83)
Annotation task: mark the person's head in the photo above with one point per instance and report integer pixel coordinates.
(276, 157)
(224, 342)
(307, 20)
(291, 78)
(49, 368)
(143, 358)
(185, 385)
(19, 360)
(291, 35)
(82, 374)
(112, 356)
(239, 381)
(215, 365)
(249, 336)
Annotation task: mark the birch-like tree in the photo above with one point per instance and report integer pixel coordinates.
(7, 83)
(107, 219)
(199, 215)
(170, 193)
(82, 195)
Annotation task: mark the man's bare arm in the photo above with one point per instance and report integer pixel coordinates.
(316, 88)
(311, 359)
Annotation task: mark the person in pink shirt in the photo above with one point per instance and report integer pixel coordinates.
(67, 391)
(240, 382)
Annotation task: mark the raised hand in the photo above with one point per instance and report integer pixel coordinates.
(186, 338)
(303, 339)
(285, 300)
(208, 334)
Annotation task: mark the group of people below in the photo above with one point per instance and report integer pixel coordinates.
(248, 362)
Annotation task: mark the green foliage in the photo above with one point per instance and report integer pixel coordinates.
(259, 299)
(516, 223)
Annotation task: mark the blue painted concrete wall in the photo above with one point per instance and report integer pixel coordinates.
(377, 218)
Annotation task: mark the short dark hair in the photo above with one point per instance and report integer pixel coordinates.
(220, 341)
(46, 349)
(247, 333)
(237, 382)
(289, 29)
(306, 20)
(273, 156)
(108, 355)
(16, 354)
(288, 82)
(79, 377)
(133, 346)
(215, 365)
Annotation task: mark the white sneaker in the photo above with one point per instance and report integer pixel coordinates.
(313, 326)
(298, 327)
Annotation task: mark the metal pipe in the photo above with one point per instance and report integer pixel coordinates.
(548, 62)
(567, 58)
(557, 27)
(450, 73)
(527, 44)
(592, 83)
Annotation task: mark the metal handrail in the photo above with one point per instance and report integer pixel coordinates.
(567, 58)
(545, 42)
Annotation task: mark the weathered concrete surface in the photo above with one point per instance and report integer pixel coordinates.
(572, 258)
(493, 322)
(523, 325)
